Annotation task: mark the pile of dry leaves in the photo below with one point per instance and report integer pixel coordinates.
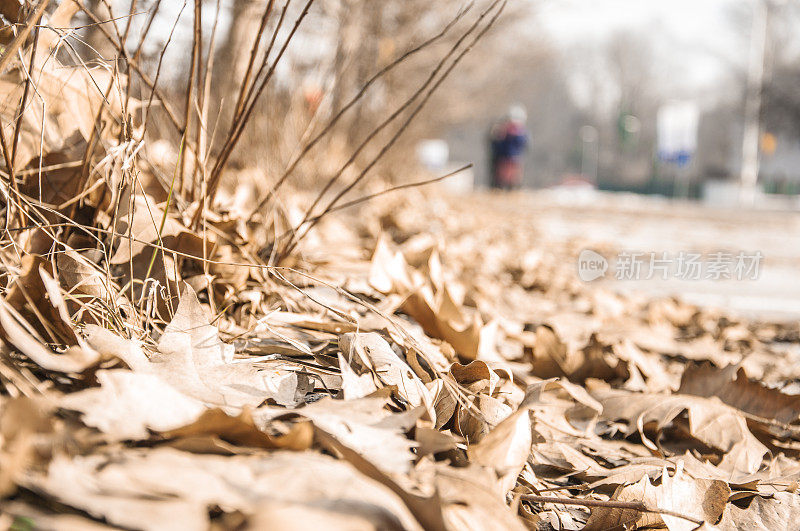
(423, 362)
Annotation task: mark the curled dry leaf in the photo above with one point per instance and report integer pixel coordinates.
(732, 387)
(372, 353)
(429, 302)
(506, 448)
(193, 369)
(28, 297)
(709, 421)
(61, 117)
(78, 275)
(193, 359)
(703, 500)
(242, 431)
(365, 425)
(129, 404)
(74, 360)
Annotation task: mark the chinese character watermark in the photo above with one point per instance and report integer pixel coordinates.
(683, 265)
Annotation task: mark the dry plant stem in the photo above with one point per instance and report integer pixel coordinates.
(201, 103)
(611, 504)
(131, 12)
(408, 103)
(197, 43)
(416, 184)
(12, 179)
(6, 152)
(133, 63)
(329, 126)
(146, 29)
(370, 197)
(12, 183)
(158, 69)
(239, 122)
(311, 223)
(86, 172)
(12, 48)
(239, 126)
(251, 62)
(129, 81)
(202, 129)
(250, 90)
(24, 101)
(18, 124)
(111, 17)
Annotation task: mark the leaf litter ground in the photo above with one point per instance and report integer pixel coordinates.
(433, 368)
(425, 362)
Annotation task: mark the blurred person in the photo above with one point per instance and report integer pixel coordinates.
(509, 138)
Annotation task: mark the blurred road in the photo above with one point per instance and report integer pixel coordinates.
(621, 222)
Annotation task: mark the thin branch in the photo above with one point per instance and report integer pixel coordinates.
(372, 196)
(202, 130)
(23, 102)
(382, 72)
(153, 88)
(611, 504)
(253, 53)
(216, 173)
(402, 108)
(416, 184)
(134, 63)
(294, 240)
(146, 29)
(264, 63)
(197, 44)
(6, 152)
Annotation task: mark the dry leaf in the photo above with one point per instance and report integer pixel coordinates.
(701, 499)
(74, 360)
(373, 353)
(732, 386)
(710, 422)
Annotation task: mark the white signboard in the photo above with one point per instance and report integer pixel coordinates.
(677, 132)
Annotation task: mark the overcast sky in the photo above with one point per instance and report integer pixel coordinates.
(696, 42)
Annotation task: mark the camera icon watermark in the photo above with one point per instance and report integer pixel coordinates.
(683, 265)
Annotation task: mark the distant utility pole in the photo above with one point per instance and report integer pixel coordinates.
(752, 106)
(590, 149)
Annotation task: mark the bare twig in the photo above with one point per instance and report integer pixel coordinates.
(333, 121)
(197, 46)
(370, 197)
(292, 243)
(250, 90)
(134, 63)
(6, 151)
(153, 88)
(23, 102)
(146, 29)
(611, 504)
(239, 126)
(251, 62)
(202, 129)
